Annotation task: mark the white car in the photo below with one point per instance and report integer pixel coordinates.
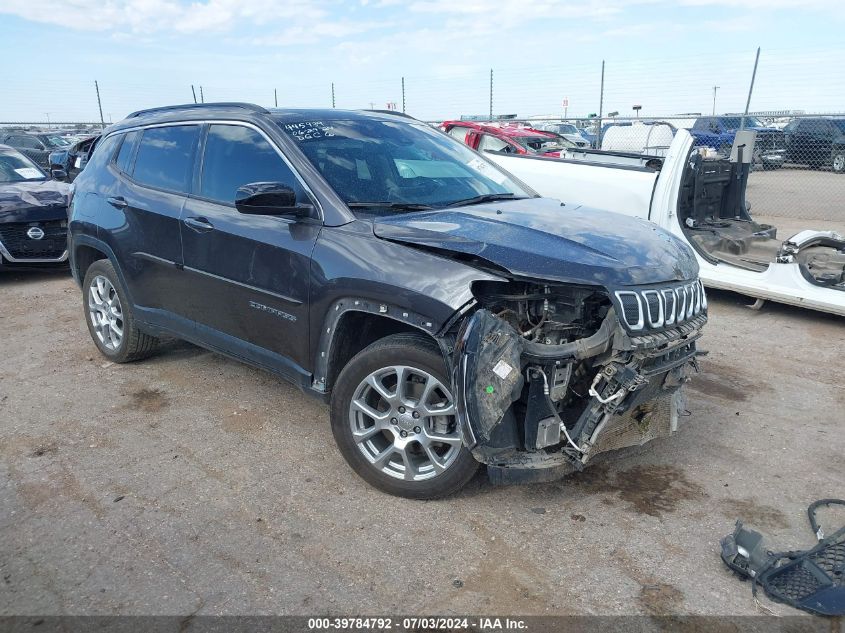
(702, 201)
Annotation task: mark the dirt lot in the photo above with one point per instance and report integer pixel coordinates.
(190, 483)
(798, 192)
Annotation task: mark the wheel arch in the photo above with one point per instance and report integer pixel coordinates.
(353, 324)
(84, 251)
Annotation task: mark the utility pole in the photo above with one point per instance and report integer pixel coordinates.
(403, 94)
(601, 107)
(276, 97)
(750, 90)
(99, 104)
(48, 120)
(491, 94)
(202, 98)
(332, 94)
(372, 105)
(194, 92)
(715, 88)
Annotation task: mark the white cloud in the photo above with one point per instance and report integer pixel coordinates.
(162, 15)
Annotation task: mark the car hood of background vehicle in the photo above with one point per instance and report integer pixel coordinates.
(542, 239)
(20, 198)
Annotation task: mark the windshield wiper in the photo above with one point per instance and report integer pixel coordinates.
(401, 206)
(487, 197)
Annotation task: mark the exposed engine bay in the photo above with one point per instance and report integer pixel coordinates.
(548, 375)
(716, 220)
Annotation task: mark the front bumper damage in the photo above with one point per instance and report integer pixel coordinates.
(535, 412)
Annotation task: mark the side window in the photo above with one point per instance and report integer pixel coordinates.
(28, 142)
(165, 157)
(124, 154)
(492, 144)
(235, 156)
(701, 124)
(806, 126)
(103, 152)
(459, 133)
(791, 126)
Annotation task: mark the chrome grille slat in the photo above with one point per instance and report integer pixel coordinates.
(662, 307)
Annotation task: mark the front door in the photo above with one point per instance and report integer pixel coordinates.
(249, 274)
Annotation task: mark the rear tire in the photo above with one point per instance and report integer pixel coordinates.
(109, 316)
(393, 418)
(838, 162)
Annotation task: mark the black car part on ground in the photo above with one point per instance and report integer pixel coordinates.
(812, 580)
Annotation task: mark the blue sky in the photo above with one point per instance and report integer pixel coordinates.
(665, 55)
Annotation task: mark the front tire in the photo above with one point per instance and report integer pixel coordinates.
(108, 314)
(393, 418)
(838, 162)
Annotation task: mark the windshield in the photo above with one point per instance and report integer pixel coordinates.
(396, 163)
(733, 123)
(17, 168)
(543, 144)
(56, 141)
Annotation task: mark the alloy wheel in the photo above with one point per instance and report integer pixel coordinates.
(403, 421)
(105, 312)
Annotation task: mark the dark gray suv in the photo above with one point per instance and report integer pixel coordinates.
(448, 314)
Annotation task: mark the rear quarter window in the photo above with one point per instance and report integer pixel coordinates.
(103, 152)
(126, 151)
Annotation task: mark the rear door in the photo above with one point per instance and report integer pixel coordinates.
(156, 166)
(250, 274)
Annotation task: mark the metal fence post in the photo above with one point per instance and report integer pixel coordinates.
(491, 94)
(403, 94)
(750, 90)
(601, 106)
(99, 105)
(332, 94)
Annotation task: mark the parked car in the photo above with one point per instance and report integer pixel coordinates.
(566, 130)
(507, 138)
(36, 145)
(33, 214)
(817, 142)
(448, 314)
(73, 158)
(719, 132)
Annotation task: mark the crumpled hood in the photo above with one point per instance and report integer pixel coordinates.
(540, 238)
(21, 198)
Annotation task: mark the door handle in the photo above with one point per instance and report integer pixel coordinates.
(200, 225)
(117, 201)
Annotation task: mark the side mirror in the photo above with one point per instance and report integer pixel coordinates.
(58, 174)
(270, 198)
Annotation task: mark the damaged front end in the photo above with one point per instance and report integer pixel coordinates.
(546, 376)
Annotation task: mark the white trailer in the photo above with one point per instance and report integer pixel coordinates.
(701, 201)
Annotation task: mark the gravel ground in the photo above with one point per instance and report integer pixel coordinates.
(189, 483)
(798, 192)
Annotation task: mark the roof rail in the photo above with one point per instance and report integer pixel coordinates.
(396, 112)
(190, 106)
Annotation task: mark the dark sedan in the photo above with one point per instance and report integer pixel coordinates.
(36, 145)
(33, 214)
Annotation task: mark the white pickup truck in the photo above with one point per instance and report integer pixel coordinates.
(702, 201)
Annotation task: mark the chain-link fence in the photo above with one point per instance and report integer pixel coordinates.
(798, 156)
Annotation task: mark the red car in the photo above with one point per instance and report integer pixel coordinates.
(508, 138)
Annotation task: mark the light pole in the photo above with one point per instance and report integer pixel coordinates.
(637, 109)
(48, 120)
(715, 88)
